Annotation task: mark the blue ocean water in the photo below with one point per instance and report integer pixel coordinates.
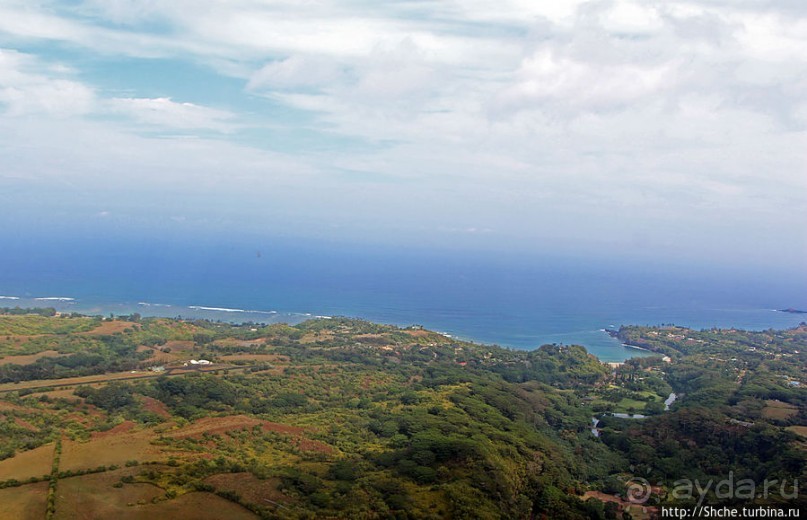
(517, 302)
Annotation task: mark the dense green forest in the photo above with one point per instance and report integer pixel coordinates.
(342, 418)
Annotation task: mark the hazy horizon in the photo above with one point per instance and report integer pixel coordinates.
(673, 133)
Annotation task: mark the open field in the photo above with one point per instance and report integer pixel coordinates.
(111, 327)
(799, 430)
(104, 378)
(25, 502)
(269, 358)
(93, 496)
(179, 345)
(250, 488)
(778, 410)
(233, 342)
(27, 464)
(61, 393)
(28, 359)
(4, 406)
(101, 378)
(314, 337)
(155, 406)
(116, 446)
(236, 422)
(158, 356)
(624, 405)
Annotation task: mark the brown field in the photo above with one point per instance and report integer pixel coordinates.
(9, 406)
(101, 378)
(231, 423)
(179, 346)
(28, 359)
(778, 410)
(799, 430)
(214, 425)
(123, 427)
(110, 327)
(603, 497)
(251, 488)
(158, 356)
(93, 497)
(155, 406)
(272, 358)
(27, 464)
(22, 423)
(318, 336)
(111, 447)
(313, 445)
(17, 339)
(418, 333)
(25, 502)
(233, 342)
(62, 393)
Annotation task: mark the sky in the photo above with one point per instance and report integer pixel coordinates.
(667, 130)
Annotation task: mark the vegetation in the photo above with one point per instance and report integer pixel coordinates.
(341, 418)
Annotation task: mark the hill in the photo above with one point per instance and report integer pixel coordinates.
(342, 418)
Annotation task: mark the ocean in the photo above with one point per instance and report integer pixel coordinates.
(514, 302)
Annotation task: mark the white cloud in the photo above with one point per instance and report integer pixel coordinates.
(295, 72)
(688, 111)
(545, 78)
(28, 86)
(626, 17)
(31, 86)
(167, 113)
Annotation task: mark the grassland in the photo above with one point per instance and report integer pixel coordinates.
(24, 502)
(95, 496)
(27, 464)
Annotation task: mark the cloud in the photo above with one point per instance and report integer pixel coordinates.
(27, 86)
(31, 86)
(555, 81)
(167, 113)
(483, 114)
(295, 72)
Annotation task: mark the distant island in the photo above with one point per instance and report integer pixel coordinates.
(791, 310)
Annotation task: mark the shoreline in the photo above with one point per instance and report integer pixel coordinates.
(607, 348)
(605, 353)
(615, 334)
(628, 345)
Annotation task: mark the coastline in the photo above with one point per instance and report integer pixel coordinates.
(596, 342)
(628, 345)
(518, 329)
(615, 334)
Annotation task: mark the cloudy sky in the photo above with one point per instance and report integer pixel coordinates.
(667, 128)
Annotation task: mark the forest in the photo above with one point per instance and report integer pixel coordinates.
(343, 418)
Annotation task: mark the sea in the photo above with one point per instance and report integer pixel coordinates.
(515, 301)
